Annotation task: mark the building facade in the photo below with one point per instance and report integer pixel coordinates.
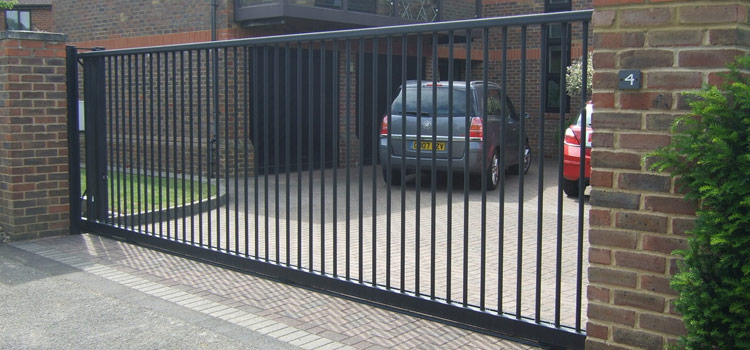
(29, 15)
(126, 24)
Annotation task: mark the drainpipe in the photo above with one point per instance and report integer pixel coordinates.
(478, 9)
(213, 20)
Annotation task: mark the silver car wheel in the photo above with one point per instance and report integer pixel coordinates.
(526, 158)
(495, 169)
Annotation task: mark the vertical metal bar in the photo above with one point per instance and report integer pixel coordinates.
(182, 144)
(215, 142)
(74, 140)
(449, 195)
(209, 143)
(256, 162)
(323, 117)
(433, 172)
(159, 138)
(375, 49)
(310, 148)
(288, 125)
(152, 117)
(582, 174)
(235, 141)
(467, 148)
(298, 92)
(192, 148)
(276, 150)
(404, 64)
(246, 141)
(360, 126)
(119, 142)
(501, 192)
(485, 117)
(418, 146)
(174, 139)
(561, 132)
(144, 154)
(266, 167)
(130, 140)
(336, 113)
(227, 221)
(347, 155)
(521, 166)
(110, 140)
(388, 160)
(540, 188)
(137, 196)
(199, 88)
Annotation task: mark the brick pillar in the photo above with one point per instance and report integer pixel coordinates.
(637, 217)
(33, 136)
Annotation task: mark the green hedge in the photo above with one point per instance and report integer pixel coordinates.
(710, 157)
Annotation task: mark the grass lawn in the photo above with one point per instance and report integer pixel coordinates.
(169, 191)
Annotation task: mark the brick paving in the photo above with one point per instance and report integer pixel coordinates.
(230, 223)
(289, 314)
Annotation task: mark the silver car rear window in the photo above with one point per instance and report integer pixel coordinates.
(443, 92)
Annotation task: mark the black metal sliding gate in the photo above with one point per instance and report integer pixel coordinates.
(261, 155)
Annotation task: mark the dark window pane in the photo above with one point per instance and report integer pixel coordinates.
(493, 103)
(459, 101)
(554, 54)
(553, 94)
(24, 20)
(554, 31)
(11, 20)
(557, 5)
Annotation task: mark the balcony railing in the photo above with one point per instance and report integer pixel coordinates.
(361, 12)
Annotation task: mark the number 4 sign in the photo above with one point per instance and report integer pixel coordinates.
(630, 79)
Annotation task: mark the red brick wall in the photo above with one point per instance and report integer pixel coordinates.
(33, 152)
(125, 18)
(638, 217)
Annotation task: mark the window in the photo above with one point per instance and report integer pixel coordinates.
(555, 57)
(459, 70)
(493, 103)
(557, 5)
(17, 20)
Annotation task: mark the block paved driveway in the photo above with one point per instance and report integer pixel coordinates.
(395, 251)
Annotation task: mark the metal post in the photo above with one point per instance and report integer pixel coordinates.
(95, 113)
(74, 142)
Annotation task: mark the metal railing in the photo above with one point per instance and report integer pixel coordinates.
(262, 154)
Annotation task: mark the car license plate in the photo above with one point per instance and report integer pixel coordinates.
(427, 146)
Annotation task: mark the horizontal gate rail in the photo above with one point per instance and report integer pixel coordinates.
(497, 22)
(280, 156)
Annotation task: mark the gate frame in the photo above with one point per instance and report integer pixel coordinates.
(502, 324)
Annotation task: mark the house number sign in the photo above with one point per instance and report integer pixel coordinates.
(630, 79)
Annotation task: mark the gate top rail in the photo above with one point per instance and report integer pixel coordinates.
(522, 20)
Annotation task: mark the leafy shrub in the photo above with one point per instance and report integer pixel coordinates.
(710, 156)
(574, 76)
(8, 4)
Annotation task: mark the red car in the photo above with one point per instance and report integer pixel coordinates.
(572, 154)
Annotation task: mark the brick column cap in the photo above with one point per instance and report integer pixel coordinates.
(28, 35)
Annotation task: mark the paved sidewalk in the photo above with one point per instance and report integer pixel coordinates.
(89, 292)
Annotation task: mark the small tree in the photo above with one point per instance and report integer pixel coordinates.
(7, 4)
(574, 76)
(710, 156)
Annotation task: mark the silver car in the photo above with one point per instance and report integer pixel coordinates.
(414, 132)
